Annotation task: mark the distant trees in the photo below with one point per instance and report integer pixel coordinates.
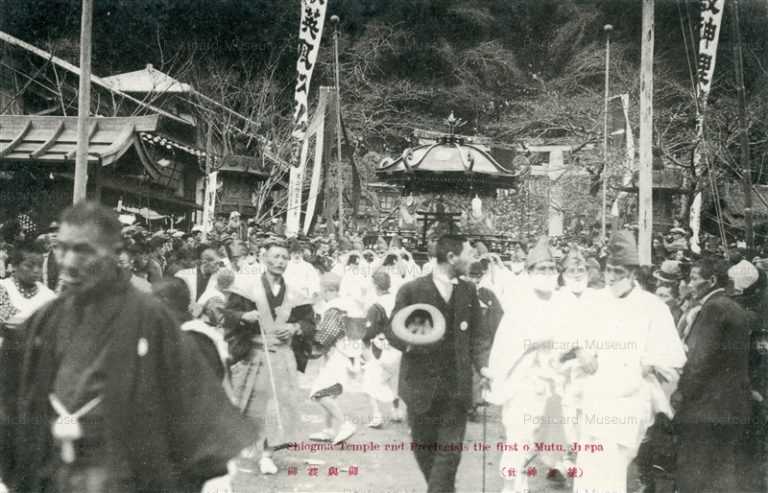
(516, 70)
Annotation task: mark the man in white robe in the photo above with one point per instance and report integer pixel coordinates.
(525, 370)
(585, 304)
(637, 349)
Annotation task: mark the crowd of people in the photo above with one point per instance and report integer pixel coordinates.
(142, 361)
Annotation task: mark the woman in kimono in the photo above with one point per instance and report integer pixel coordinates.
(22, 293)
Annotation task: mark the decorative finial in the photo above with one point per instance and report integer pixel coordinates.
(453, 123)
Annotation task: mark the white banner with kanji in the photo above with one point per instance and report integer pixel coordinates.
(296, 181)
(310, 35)
(620, 126)
(709, 35)
(209, 201)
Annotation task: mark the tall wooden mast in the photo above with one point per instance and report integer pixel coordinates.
(645, 182)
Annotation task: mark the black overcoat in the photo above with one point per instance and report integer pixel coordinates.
(164, 409)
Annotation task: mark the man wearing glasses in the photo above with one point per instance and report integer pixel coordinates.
(637, 348)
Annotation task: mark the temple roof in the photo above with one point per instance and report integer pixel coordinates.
(54, 138)
(449, 163)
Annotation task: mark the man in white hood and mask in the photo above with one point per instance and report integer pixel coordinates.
(525, 370)
(585, 304)
(637, 349)
(517, 276)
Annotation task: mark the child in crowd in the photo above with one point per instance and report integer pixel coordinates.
(342, 362)
(382, 361)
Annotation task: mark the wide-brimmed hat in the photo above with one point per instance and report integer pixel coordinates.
(669, 271)
(679, 231)
(400, 329)
(743, 275)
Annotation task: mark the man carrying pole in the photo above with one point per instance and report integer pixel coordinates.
(269, 329)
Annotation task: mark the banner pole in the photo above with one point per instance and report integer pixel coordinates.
(339, 170)
(607, 28)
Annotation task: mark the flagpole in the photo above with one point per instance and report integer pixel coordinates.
(645, 166)
(339, 170)
(83, 104)
(607, 28)
(744, 131)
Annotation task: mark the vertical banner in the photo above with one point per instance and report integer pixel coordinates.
(297, 174)
(317, 129)
(209, 201)
(295, 186)
(620, 129)
(696, 223)
(310, 35)
(709, 36)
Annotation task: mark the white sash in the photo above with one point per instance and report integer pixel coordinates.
(268, 326)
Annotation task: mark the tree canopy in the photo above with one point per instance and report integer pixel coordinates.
(515, 69)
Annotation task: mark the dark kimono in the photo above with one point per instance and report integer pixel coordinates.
(240, 333)
(260, 359)
(164, 424)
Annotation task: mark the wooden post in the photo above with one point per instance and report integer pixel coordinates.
(84, 103)
(607, 28)
(339, 164)
(645, 182)
(746, 165)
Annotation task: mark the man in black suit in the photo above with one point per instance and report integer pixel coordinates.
(712, 401)
(491, 313)
(436, 380)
